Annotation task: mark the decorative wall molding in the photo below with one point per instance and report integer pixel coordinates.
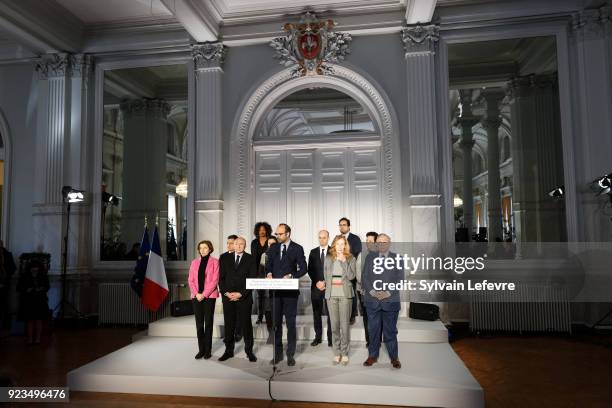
(420, 38)
(277, 87)
(208, 55)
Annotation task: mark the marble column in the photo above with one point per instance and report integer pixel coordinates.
(467, 121)
(491, 123)
(61, 155)
(420, 45)
(145, 146)
(63, 125)
(208, 60)
(536, 157)
(420, 42)
(590, 58)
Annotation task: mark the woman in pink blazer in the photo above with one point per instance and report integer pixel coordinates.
(203, 281)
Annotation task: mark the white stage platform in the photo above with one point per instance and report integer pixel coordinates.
(409, 330)
(431, 374)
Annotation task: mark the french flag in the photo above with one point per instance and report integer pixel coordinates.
(155, 288)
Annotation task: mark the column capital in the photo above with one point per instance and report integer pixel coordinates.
(81, 65)
(524, 85)
(53, 65)
(64, 65)
(158, 107)
(589, 23)
(420, 39)
(208, 55)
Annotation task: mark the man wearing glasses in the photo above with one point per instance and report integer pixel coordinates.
(285, 261)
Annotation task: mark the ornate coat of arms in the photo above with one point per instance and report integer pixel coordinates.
(311, 46)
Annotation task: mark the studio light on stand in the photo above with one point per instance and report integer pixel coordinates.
(602, 185)
(108, 200)
(557, 193)
(69, 196)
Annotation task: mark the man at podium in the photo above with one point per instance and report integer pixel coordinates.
(285, 261)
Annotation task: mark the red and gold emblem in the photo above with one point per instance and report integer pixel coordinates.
(310, 46)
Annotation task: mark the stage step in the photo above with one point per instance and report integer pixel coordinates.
(409, 330)
(431, 374)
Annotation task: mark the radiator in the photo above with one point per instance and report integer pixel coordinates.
(493, 311)
(119, 304)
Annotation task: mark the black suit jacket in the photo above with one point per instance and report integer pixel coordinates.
(355, 244)
(232, 278)
(293, 263)
(315, 267)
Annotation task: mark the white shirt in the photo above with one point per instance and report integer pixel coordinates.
(236, 255)
(324, 249)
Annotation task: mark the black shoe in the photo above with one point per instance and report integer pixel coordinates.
(315, 342)
(207, 356)
(276, 360)
(199, 355)
(329, 344)
(227, 355)
(251, 357)
(290, 361)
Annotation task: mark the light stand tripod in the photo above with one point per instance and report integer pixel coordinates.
(70, 196)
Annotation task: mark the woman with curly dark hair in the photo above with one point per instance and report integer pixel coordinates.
(259, 246)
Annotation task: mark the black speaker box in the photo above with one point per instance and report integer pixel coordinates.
(181, 308)
(424, 311)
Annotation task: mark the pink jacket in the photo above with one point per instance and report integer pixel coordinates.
(210, 282)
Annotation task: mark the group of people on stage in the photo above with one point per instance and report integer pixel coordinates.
(341, 276)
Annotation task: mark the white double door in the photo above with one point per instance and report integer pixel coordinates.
(311, 189)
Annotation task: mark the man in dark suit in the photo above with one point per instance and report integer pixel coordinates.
(316, 260)
(382, 306)
(355, 243)
(237, 300)
(230, 252)
(285, 260)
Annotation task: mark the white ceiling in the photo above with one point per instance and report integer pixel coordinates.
(96, 11)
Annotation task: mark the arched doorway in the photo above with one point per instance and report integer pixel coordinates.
(297, 201)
